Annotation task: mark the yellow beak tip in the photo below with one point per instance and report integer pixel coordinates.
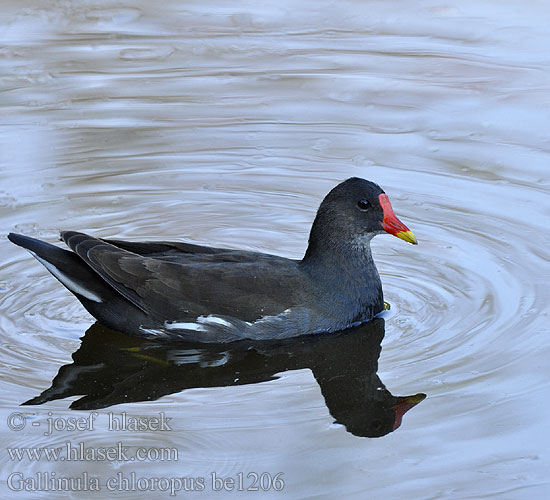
(407, 236)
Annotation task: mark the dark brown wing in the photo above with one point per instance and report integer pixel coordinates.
(245, 285)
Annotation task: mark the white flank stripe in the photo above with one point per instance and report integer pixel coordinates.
(213, 320)
(184, 326)
(269, 319)
(72, 285)
(152, 331)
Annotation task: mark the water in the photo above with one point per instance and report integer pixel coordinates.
(226, 125)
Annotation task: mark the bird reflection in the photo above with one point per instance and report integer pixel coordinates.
(111, 368)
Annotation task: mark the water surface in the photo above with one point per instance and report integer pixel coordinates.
(226, 125)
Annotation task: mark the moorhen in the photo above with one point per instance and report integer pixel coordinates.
(208, 294)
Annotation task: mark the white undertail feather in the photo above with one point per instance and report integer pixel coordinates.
(72, 285)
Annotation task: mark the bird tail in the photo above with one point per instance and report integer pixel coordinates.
(67, 267)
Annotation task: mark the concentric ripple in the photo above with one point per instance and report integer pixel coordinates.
(463, 290)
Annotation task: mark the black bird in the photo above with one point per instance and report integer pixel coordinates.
(210, 294)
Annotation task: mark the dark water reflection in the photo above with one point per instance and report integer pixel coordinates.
(111, 368)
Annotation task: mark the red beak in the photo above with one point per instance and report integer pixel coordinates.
(391, 224)
(403, 405)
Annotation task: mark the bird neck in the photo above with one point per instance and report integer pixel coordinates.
(329, 257)
(348, 275)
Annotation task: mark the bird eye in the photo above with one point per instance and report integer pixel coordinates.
(363, 204)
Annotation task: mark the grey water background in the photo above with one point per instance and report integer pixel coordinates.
(225, 124)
